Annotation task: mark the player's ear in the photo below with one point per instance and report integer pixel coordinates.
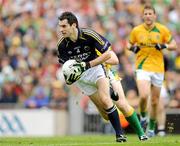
(142, 16)
(155, 16)
(74, 25)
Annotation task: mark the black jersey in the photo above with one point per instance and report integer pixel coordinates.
(85, 47)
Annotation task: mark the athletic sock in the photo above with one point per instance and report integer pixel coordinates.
(114, 119)
(152, 124)
(135, 124)
(161, 127)
(143, 114)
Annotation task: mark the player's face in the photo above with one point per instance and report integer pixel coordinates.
(149, 17)
(65, 28)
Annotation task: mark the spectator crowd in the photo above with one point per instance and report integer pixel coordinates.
(30, 75)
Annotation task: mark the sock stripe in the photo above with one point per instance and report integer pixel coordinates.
(130, 112)
(110, 110)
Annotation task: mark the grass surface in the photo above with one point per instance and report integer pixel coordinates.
(88, 140)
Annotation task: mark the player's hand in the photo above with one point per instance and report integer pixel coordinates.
(135, 49)
(72, 78)
(161, 46)
(83, 66)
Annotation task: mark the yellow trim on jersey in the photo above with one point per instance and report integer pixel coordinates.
(107, 66)
(60, 40)
(94, 35)
(82, 38)
(99, 53)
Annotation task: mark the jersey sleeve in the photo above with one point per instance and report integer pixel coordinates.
(100, 43)
(167, 37)
(61, 55)
(132, 38)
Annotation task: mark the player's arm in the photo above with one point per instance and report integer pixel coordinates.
(170, 46)
(168, 41)
(102, 45)
(107, 57)
(132, 44)
(113, 60)
(133, 47)
(62, 57)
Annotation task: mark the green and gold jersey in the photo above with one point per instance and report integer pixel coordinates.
(148, 58)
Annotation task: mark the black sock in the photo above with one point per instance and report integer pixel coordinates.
(114, 119)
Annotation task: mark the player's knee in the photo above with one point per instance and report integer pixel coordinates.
(106, 102)
(161, 106)
(160, 109)
(154, 102)
(122, 104)
(144, 96)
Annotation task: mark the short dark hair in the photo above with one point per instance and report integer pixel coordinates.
(149, 7)
(71, 18)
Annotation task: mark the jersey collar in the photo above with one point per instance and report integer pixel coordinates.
(80, 34)
(149, 29)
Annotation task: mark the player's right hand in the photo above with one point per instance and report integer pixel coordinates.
(83, 66)
(135, 49)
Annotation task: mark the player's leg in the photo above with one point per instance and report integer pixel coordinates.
(94, 84)
(144, 87)
(104, 98)
(155, 93)
(117, 93)
(127, 110)
(144, 93)
(161, 117)
(157, 81)
(161, 114)
(99, 106)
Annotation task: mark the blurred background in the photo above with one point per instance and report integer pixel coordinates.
(34, 99)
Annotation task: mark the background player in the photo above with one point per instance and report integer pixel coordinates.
(147, 41)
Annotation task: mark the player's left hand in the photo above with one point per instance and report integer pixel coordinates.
(161, 46)
(83, 66)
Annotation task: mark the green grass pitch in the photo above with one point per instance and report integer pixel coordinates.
(88, 140)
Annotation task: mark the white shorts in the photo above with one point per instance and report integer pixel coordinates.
(155, 78)
(87, 82)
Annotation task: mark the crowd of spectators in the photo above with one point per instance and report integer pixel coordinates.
(30, 74)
